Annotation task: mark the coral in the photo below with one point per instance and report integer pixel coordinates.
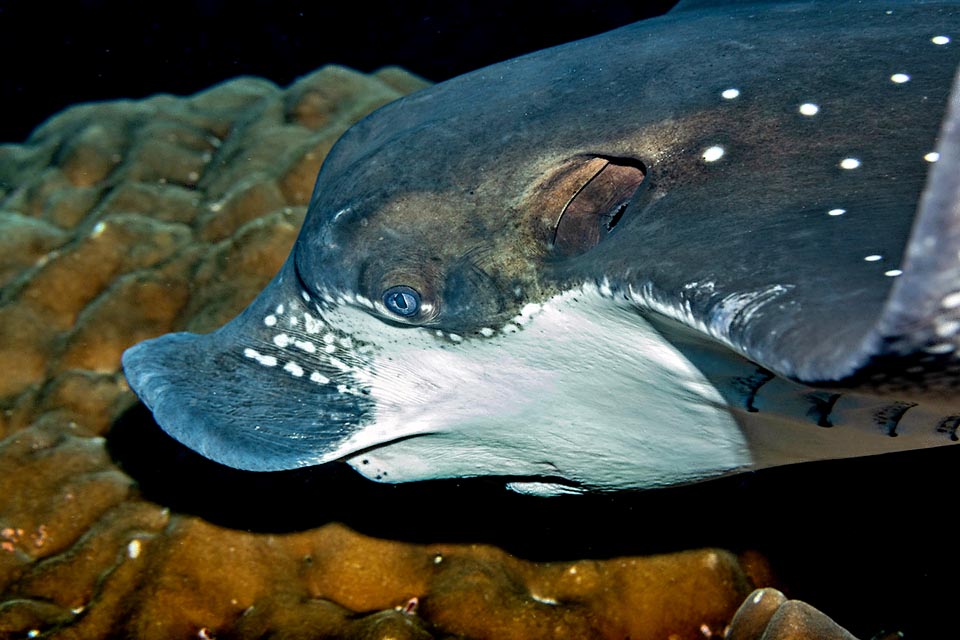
(122, 221)
(767, 615)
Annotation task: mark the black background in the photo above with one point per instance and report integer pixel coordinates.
(58, 54)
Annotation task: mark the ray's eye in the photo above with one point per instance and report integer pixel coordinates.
(402, 300)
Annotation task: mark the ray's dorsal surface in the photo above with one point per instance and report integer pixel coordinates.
(670, 252)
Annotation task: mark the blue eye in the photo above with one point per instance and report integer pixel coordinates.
(402, 300)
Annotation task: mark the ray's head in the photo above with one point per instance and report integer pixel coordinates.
(428, 229)
(436, 316)
(438, 226)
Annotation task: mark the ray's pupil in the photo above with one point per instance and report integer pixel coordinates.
(402, 300)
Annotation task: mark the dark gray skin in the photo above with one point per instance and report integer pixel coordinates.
(504, 131)
(513, 184)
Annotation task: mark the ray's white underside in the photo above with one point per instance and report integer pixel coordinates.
(589, 390)
(580, 388)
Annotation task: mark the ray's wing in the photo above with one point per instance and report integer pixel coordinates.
(916, 338)
(866, 305)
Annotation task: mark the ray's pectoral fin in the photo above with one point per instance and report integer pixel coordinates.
(913, 346)
(836, 325)
(916, 342)
(271, 390)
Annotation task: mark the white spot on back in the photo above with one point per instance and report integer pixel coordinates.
(933, 156)
(486, 332)
(873, 257)
(282, 340)
(267, 361)
(900, 78)
(339, 364)
(730, 94)
(270, 320)
(939, 40)
(305, 296)
(836, 212)
(305, 345)
(294, 369)
(893, 273)
(809, 109)
(279, 309)
(951, 300)
(849, 163)
(319, 378)
(713, 154)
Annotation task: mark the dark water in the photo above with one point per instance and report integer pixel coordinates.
(106, 49)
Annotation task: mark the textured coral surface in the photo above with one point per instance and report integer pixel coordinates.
(121, 221)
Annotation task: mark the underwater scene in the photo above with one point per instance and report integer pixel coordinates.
(648, 336)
